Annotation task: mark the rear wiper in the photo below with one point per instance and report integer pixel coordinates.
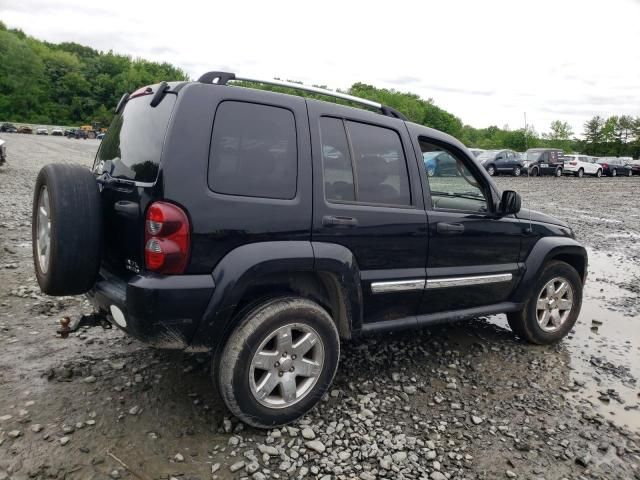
(106, 180)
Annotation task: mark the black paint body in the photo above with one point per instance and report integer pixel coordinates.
(249, 246)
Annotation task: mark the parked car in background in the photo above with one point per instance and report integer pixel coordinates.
(70, 132)
(635, 167)
(42, 131)
(79, 133)
(8, 128)
(501, 161)
(476, 151)
(615, 166)
(57, 132)
(25, 129)
(100, 136)
(3, 152)
(439, 164)
(581, 165)
(544, 161)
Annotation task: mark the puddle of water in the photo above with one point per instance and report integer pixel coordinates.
(603, 337)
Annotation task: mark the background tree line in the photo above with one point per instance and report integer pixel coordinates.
(68, 84)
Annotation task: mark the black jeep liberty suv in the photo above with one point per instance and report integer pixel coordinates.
(266, 227)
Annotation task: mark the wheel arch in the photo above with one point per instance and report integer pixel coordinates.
(548, 249)
(253, 272)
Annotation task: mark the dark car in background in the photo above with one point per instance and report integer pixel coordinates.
(635, 167)
(544, 161)
(3, 152)
(614, 166)
(439, 164)
(8, 128)
(501, 161)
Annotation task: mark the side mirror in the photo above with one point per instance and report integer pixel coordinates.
(510, 203)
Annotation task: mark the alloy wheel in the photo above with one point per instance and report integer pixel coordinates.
(554, 304)
(286, 366)
(43, 241)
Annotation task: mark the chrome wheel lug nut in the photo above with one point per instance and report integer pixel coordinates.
(280, 374)
(293, 357)
(292, 369)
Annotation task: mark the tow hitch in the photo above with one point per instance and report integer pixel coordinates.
(67, 325)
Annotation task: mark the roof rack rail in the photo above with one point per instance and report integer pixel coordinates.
(222, 78)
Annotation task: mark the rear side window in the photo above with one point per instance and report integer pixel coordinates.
(132, 147)
(253, 151)
(372, 155)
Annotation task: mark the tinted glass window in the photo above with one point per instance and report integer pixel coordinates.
(452, 185)
(380, 165)
(132, 147)
(336, 161)
(253, 151)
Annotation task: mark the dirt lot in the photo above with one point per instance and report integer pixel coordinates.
(463, 401)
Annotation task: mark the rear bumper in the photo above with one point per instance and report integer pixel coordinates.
(163, 311)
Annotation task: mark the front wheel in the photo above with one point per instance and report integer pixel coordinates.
(278, 362)
(517, 172)
(599, 173)
(630, 173)
(491, 170)
(614, 173)
(553, 307)
(534, 172)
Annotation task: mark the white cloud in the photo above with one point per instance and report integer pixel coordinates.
(487, 62)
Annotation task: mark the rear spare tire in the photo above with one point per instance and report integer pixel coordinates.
(66, 229)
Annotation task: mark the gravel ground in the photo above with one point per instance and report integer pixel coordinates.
(461, 401)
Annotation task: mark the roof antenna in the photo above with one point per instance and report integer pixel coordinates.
(526, 145)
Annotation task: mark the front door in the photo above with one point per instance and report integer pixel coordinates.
(367, 198)
(473, 257)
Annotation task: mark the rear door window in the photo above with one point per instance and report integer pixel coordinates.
(363, 163)
(253, 151)
(380, 165)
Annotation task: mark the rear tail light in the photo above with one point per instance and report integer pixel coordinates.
(605, 165)
(573, 163)
(167, 239)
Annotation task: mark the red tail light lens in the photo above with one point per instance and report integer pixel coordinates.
(605, 165)
(573, 163)
(167, 239)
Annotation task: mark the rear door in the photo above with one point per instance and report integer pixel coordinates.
(367, 197)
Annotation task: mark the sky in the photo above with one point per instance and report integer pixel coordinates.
(488, 62)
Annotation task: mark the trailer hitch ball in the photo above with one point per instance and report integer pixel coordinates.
(64, 327)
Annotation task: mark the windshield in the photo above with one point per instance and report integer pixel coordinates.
(533, 156)
(489, 154)
(132, 147)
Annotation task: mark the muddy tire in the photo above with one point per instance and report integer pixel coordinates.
(66, 229)
(553, 307)
(278, 362)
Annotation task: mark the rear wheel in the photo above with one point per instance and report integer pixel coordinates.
(278, 362)
(614, 173)
(534, 172)
(553, 307)
(491, 170)
(629, 173)
(599, 173)
(558, 172)
(580, 173)
(431, 171)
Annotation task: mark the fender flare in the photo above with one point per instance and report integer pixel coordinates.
(542, 252)
(234, 274)
(339, 261)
